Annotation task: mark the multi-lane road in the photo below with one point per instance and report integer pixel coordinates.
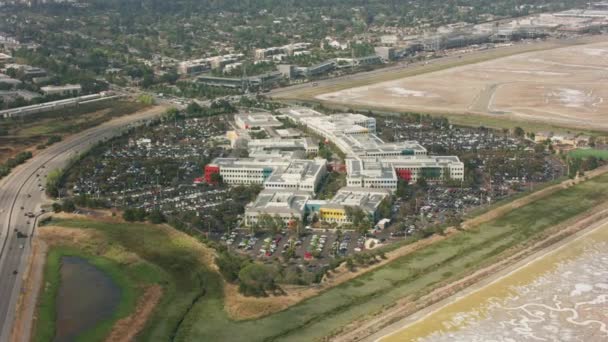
(22, 192)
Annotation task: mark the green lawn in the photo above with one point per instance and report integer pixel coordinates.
(584, 153)
(129, 277)
(316, 317)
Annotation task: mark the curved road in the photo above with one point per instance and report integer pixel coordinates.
(22, 192)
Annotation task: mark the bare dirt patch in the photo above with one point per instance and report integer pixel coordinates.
(127, 328)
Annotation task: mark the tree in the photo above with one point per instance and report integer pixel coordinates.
(384, 209)
(350, 264)
(156, 216)
(230, 265)
(216, 178)
(519, 132)
(402, 188)
(257, 279)
(590, 163)
(194, 108)
(53, 182)
(277, 224)
(128, 215)
(422, 183)
(265, 221)
(134, 214)
(68, 206)
(171, 114)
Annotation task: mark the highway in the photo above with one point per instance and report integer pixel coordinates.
(22, 192)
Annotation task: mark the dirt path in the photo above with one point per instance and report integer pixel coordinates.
(127, 328)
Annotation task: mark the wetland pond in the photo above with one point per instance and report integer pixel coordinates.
(87, 296)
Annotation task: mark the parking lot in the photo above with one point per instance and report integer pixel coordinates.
(443, 138)
(154, 167)
(316, 246)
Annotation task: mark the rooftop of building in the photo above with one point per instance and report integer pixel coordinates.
(61, 87)
(369, 169)
(372, 144)
(249, 162)
(258, 119)
(288, 133)
(300, 112)
(299, 170)
(280, 201)
(366, 198)
(258, 152)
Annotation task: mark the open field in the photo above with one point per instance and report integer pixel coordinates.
(561, 86)
(193, 307)
(27, 132)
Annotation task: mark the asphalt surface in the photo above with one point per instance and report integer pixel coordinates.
(23, 191)
(516, 48)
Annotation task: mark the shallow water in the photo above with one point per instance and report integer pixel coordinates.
(561, 296)
(86, 297)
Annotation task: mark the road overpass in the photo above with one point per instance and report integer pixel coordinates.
(22, 192)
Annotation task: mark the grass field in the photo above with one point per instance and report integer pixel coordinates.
(129, 277)
(193, 309)
(584, 153)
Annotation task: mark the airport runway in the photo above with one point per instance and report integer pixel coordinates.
(22, 192)
(421, 66)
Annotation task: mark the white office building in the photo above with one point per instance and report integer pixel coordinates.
(273, 173)
(371, 162)
(260, 119)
